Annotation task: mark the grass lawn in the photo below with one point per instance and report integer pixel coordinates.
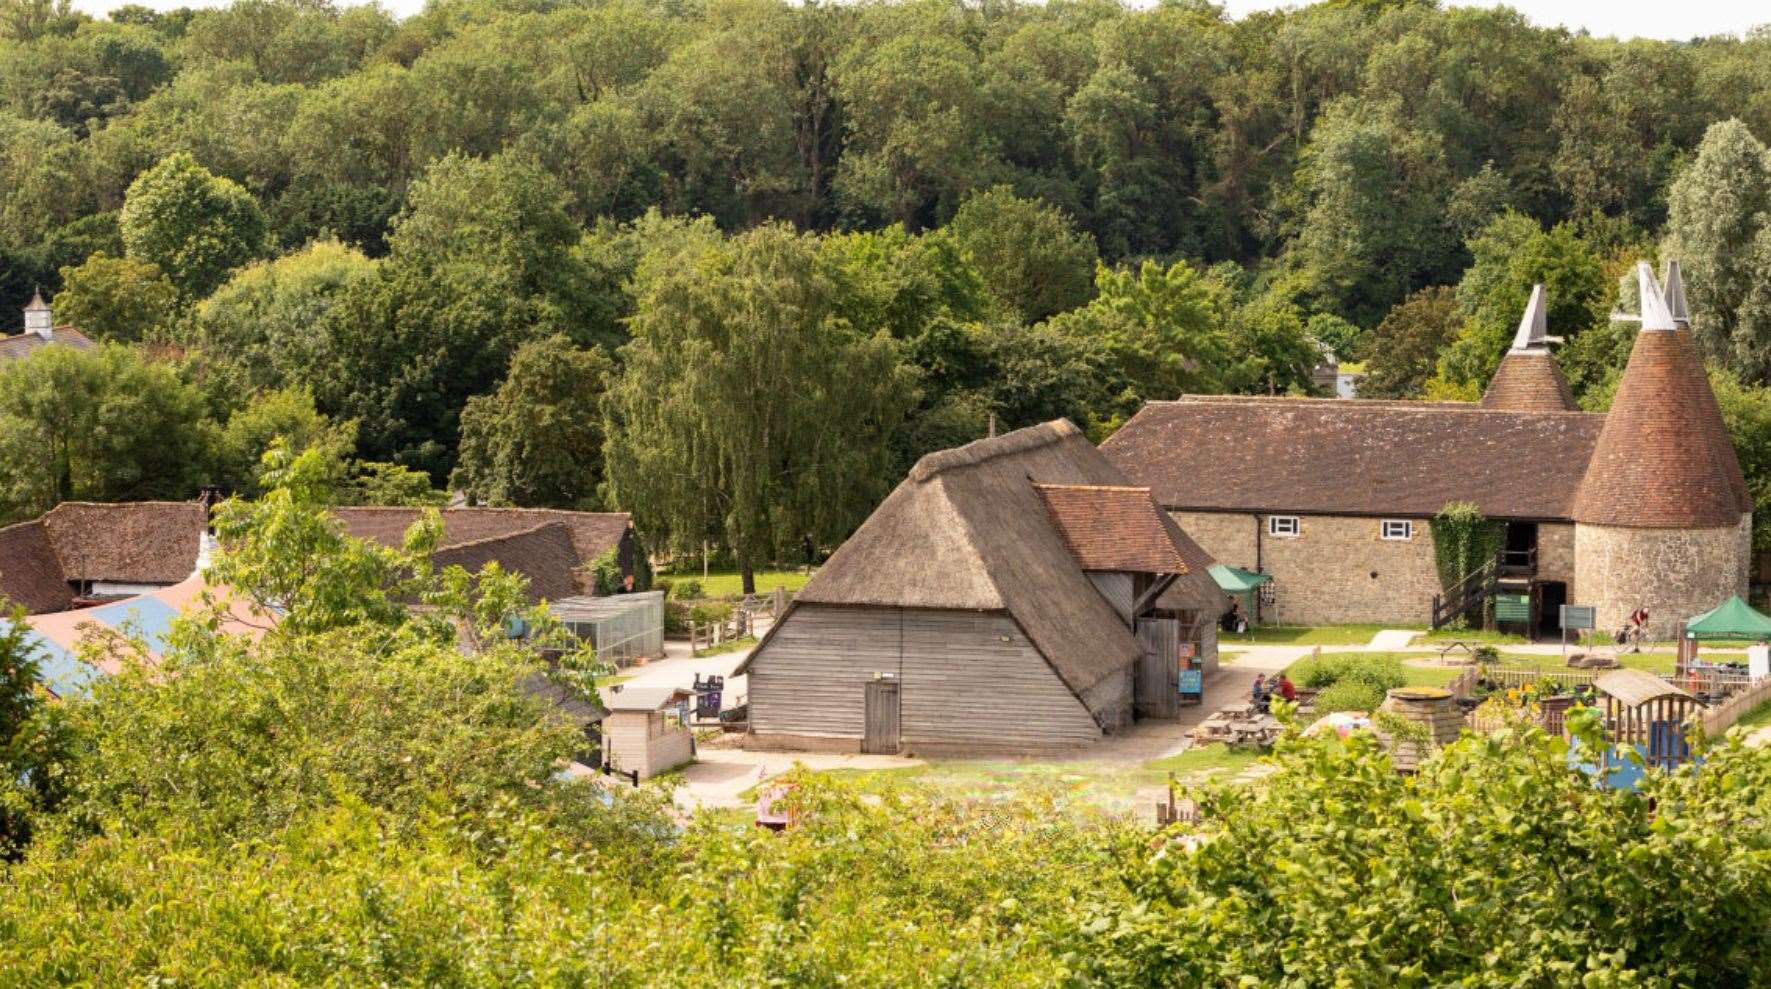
(730, 645)
(611, 680)
(730, 583)
(1758, 717)
(1353, 635)
(1653, 662)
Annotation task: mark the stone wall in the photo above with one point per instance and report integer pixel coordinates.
(1674, 573)
(1555, 554)
(1325, 574)
(1227, 536)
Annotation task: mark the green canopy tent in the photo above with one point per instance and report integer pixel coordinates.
(1732, 619)
(1240, 584)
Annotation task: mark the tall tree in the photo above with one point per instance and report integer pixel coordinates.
(119, 299)
(100, 425)
(1718, 213)
(538, 440)
(1162, 327)
(1031, 259)
(194, 225)
(749, 410)
(1401, 354)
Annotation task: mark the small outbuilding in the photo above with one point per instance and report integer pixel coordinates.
(1647, 712)
(1013, 594)
(644, 733)
(624, 628)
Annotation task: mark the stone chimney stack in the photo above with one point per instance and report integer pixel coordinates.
(38, 318)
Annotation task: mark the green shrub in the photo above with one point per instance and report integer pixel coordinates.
(676, 618)
(711, 611)
(1381, 673)
(664, 584)
(688, 590)
(1349, 695)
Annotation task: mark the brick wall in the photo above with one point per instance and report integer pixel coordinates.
(1674, 573)
(1324, 574)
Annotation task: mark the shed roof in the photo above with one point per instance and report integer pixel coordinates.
(969, 529)
(1109, 527)
(1355, 456)
(1635, 687)
(645, 698)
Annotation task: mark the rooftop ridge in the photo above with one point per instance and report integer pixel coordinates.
(1404, 404)
(991, 447)
(1091, 487)
(504, 536)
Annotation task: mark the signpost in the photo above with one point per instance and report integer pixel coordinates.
(1577, 618)
(1193, 682)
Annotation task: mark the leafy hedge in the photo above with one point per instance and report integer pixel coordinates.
(1380, 673)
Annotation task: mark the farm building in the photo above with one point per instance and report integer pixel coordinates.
(1642, 506)
(81, 553)
(40, 331)
(1015, 593)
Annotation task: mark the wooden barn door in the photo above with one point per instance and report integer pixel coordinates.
(1156, 690)
(882, 717)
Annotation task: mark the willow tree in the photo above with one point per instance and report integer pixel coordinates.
(750, 411)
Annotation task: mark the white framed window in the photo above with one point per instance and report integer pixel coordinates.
(1283, 526)
(1402, 529)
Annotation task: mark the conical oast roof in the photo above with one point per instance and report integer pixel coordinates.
(1673, 291)
(1664, 458)
(1528, 378)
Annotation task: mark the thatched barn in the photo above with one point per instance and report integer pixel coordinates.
(1013, 594)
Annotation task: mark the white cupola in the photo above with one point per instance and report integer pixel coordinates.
(38, 319)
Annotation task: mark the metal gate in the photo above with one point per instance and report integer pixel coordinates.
(1156, 691)
(882, 717)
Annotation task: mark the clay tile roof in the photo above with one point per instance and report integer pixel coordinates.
(592, 534)
(22, 345)
(1664, 459)
(1529, 381)
(1355, 457)
(544, 554)
(1112, 528)
(30, 573)
(141, 542)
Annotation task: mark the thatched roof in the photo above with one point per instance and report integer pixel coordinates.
(30, 573)
(969, 530)
(1635, 687)
(137, 542)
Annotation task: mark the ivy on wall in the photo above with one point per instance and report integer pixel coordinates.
(1463, 542)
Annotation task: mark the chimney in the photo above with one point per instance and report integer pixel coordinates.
(37, 317)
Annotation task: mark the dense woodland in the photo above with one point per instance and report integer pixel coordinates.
(733, 264)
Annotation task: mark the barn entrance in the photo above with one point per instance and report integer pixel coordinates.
(1156, 685)
(882, 717)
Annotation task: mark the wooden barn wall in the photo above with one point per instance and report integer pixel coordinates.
(969, 679)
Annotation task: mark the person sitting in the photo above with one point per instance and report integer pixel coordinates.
(1287, 689)
(1258, 695)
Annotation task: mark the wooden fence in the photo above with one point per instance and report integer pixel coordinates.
(1722, 717)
